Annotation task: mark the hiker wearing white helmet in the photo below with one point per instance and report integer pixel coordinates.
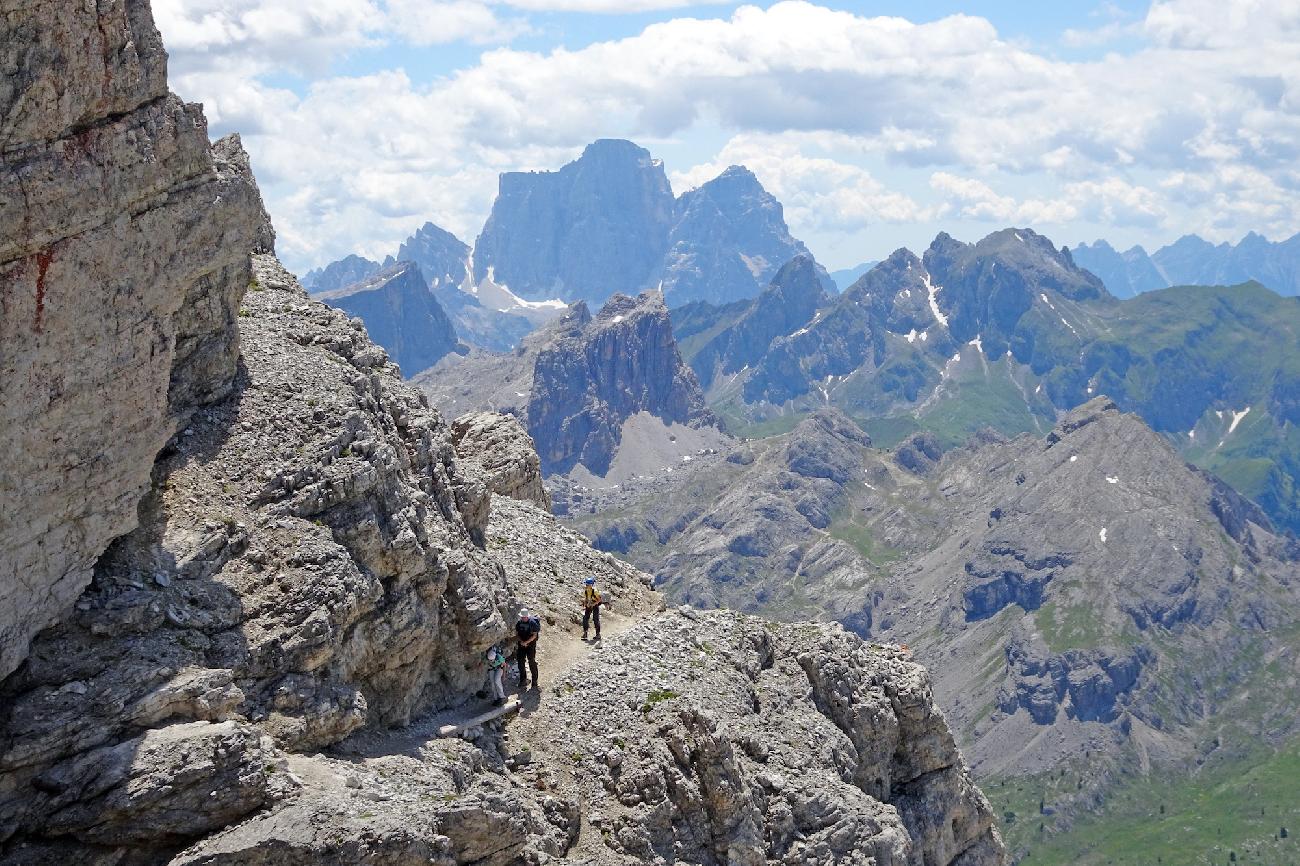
(591, 602)
(527, 630)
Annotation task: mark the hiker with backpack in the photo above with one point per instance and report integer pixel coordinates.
(591, 602)
(527, 630)
(496, 663)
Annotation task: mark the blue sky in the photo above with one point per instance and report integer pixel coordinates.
(876, 124)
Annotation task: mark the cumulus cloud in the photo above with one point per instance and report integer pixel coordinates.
(610, 6)
(1198, 125)
(434, 22)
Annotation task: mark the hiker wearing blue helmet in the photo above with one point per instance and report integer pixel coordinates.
(591, 602)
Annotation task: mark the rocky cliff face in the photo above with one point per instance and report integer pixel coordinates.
(600, 372)
(498, 447)
(597, 226)
(785, 306)
(400, 314)
(729, 240)
(1069, 591)
(124, 240)
(584, 382)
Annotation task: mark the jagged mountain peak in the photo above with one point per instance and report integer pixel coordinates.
(401, 314)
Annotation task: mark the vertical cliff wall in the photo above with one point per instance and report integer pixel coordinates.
(124, 243)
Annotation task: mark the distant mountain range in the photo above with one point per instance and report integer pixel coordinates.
(1089, 603)
(1007, 333)
(1192, 261)
(603, 224)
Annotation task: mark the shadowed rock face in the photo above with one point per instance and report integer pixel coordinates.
(595, 373)
(442, 256)
(583, 381)
(400, 314)
(787, 304)
(124, 241)
(595, 227)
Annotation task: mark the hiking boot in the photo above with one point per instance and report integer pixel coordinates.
(496, 702)
(584, 635)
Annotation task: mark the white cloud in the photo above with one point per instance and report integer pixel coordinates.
(434, 22)
(1199, 126)
(610, 6)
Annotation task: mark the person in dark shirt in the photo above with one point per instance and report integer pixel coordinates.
(527, 630)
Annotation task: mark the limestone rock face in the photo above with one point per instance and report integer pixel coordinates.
(787, 304)
(597, 226)
(400, 314)
(311, 560)
(728, 241)
(691, 738)
(124, 242)
(607, 223)
(441, 255)
(500, 447)
(582, 380)
(598, 372)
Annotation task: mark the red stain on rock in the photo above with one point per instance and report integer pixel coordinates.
(43, 260)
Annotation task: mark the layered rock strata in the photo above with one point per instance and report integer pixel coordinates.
(124, 241)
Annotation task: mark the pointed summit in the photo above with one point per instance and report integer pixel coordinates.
(729, 240)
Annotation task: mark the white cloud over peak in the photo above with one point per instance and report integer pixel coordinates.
(851, 121)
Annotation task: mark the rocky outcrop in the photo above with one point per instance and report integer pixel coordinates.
(344, 272)
(597, 226)
(400, 314)
(311, 560)
(124, 241)
(596, 373)
(500, 448)
(729, 240)
(584, 382)
(701, 738)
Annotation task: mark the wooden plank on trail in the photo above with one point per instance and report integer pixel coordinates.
(495, 713)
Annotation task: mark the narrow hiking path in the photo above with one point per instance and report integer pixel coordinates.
(559, 648)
